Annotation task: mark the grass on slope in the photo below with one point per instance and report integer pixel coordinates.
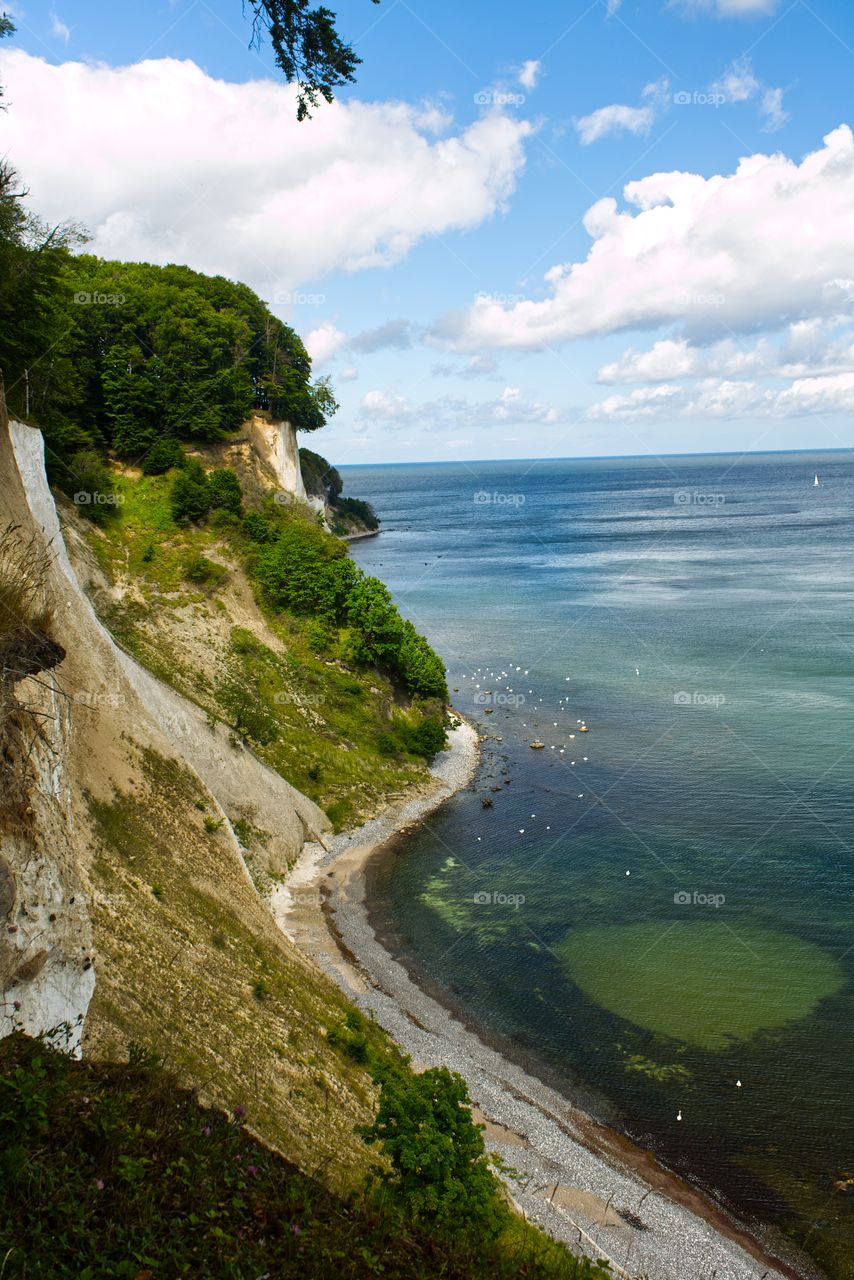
(333, 731)
(191, 963)
(111, 1171)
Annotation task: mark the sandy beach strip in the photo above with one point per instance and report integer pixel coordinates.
(583, 1183)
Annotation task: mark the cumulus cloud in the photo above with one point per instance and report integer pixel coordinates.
(754, 250)
(393, 411)
(530, 73)
(324, 342)
(617, 118)
(807, 348)
(721, 398)
(206, 195)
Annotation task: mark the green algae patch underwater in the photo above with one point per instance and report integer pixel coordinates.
(705, 983)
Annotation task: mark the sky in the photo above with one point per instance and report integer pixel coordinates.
(544, 230)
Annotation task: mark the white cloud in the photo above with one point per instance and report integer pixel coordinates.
(156, 159)
(738, 83)
(773, 111)
(729, 8)
(755, 250)
(617, 119)
(394, 411)
(348, 375)
(58, 28)
(324, 342)
(613, 6)
(530, 73)
(809, 347)
(721, 398)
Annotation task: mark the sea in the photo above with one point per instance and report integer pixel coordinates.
(655, 907)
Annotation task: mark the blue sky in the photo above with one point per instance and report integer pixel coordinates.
(408, 231)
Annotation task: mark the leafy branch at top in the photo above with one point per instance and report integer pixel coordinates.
(308, 48)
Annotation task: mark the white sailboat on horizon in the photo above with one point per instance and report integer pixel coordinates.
(816, 484)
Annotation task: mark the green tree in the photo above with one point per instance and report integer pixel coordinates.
(306, 571)
(377, 625)
(162, 456)
(440, 1172)
(190, 496)
(225, 491)
(421, 667)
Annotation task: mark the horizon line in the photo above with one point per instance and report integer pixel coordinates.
(605, 457)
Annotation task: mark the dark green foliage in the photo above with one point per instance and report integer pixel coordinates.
(428, 738)
(308, 48)
(162, 456)
(257, 528)
(90, 485)
(421, 667)
(122, 354)
(320, 636)
(225, 490)
(110, 1172)
(320, 478)
(190, 497)
(306, 571)
(360, 510)
(377, 625)
(202, 570)
(440, 1172)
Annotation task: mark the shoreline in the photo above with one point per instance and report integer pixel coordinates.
(584, 1183)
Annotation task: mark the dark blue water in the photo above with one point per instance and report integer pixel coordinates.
(663, 906)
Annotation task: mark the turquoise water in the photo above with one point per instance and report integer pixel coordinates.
(661, 907)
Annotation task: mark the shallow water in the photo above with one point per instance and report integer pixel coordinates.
(672, 914)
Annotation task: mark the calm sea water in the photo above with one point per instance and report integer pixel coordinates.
(661, 910)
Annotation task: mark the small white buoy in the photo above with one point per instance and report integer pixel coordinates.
(521, 831)
(628, 873)
(738, 1084)
(678, 1115)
